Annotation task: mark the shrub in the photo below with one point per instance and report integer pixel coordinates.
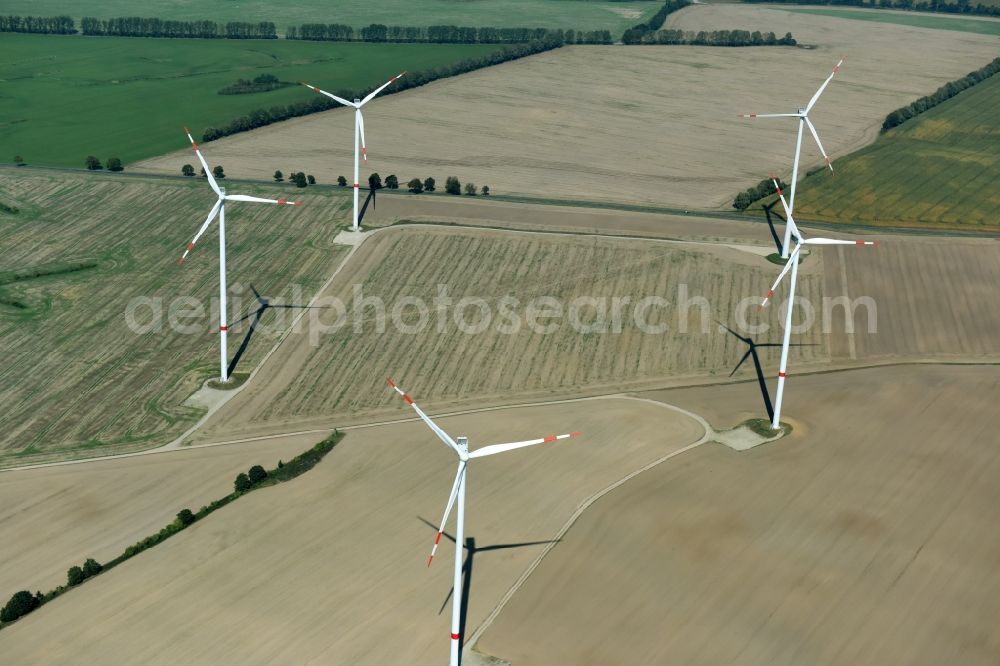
(20, 604)
(415, 186)
(374, 181)
(187, 170)
(452, 185)
(257, 474)
(185, 517)
(429, 184)
(218, 173)
(91, 567)
(75, 576)
(470, 189)
(115, 164)
(278, 176)
(392, 182)
(93, 163)
(485, 190)
(242, 483)
(311, 179)
(341, 181)
(300, 179)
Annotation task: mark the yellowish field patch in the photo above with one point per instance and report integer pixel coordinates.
(651, 124)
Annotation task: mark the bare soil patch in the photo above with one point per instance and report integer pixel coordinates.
(863, 538)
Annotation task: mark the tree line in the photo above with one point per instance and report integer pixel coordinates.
(717, 38)
(944, 93)
(636, 34)
(137, 26)
(959, 7)
(441, 34)
(262, 117)
(52, 25)
(764, 188)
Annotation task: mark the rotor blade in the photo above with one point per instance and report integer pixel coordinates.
(361, 128)
(447, 509)
(243, 197)
(769, 115)
(789, 220)
(819, 92)
(833, 241)
(208, 221)
(204, 164)
(433, 426)
(330, 95)
(741, 362)
(792, 258)
(380, 89)
(500, 448)
(826, 157)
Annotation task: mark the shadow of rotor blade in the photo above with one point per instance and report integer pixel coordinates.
(369, 199)
(302, 307)
(435, 527)
(764, 392)
(260, 299)
(524, 544)
(259, 312)
(749, 351)
(770, 224)
(246, 341)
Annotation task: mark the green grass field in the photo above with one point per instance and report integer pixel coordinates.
(939, 170)
(983, 26)
(76, 379)
(64, 98)
(576, 14)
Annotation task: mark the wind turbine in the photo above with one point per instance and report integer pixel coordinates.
(359, 132)
(792, 265)
(219, 209)
(457, 497)
(803, 115)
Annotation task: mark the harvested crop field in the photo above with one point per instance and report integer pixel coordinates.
(627, 123)
(325, 373)
(77, 379)
(56, 517)
(931, 299)
(865, 538)
(331, 567)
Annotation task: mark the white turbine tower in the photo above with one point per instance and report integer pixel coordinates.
(803, 115)
(793, 266)
(359, 131)
(457, 497)
(219, 209)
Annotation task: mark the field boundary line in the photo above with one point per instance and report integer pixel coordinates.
(706, 436)
(714, 214)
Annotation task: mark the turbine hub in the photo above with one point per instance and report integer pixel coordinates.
(357, 100)
(802, 112)
(463, 447)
